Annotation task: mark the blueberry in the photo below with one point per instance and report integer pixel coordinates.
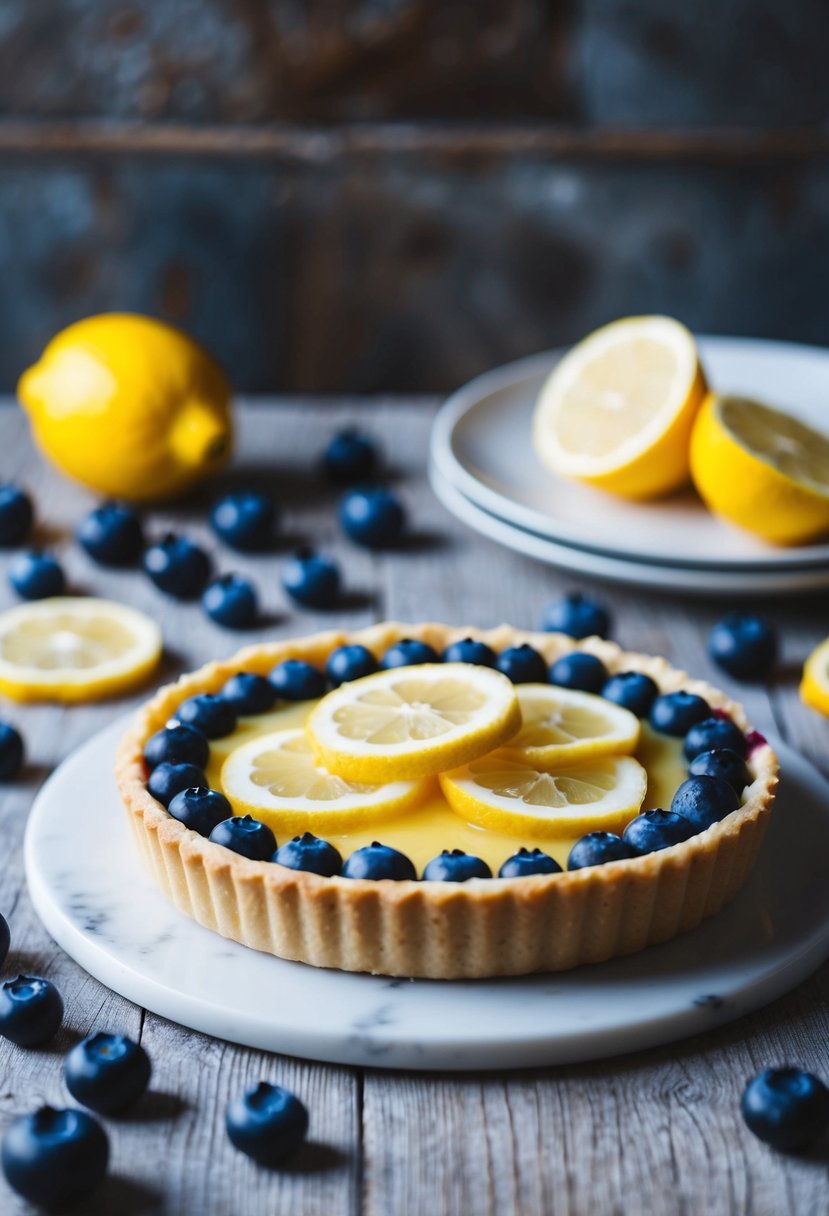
(657, 829)
(16, 516)
(308, 852)
(522, 665)
(36, 575)
(786, 1108)
(246, 835)
(296, 680)
(349, 663)
(31, 1010)
(453, 865)
(578, 615)
(578, 670)
(54, 1158)
(722, 763)
(11, 752)
(200, 808)
(467, 650)
(112, 535)
(245, 520)
(632, 690)
(377, 861)
(107, 1072)
(177, 744)
(231, 600)
(744, 645)
(267, 1123)
(177, 567)
(373, 517)
(711, 733)
(248, 693)
(350, 457)
(209, 713)
(408, 653)
(674, 713)
(704, 800)
(527, 862)
(596, 849)
(166, 780)
(312, 579)
(5, 939)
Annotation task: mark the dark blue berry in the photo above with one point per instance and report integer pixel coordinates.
(527, 862)
(5, 939)
(373, 517)
(308, 852)
(112, 535)
(11, 752)
(245, 521)
(580, 671)
(674, 713)
(107, 1072)
(248, 693)
(312, 579)
(522, 664)
(166, 780)
(712, 733)
(177, 567)
(296, 680)
(350, 457)
(36, 575)
(657, 829)
(231, 601)
(31, 1010)
(786, 1108)
(744, 645)
(467, 650)
(209, 713)
(246, 835)
(349, 663)
(704, 800)
(632, 690)
(377, 861)
(267, 1123)
(722, 763)
(408, 652)
(596, 849)
(453, 865)
(54, 1158)
(200, 808)
(178, 744)
(578, 615)
(16, 516)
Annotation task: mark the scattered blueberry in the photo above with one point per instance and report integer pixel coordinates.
(578, 615)
(580, 671)
(453, 865)
(596, 849)
(31, 1010)
(632, 690)
(231, 600)
(208, 712)
(350, 457)
(704, 800)
(467, 650)
(54, 1158)
(349, 663)
(177, 744)
(308, 852)
(522, 665)
(249, 693)
(16, 516)
(200, 808)
(372, 516)
(107, 1072)
(312, 579)
(36, 575)
(722, 763)
(527, 862)
(112, 535)
(786, 1108)
(246, 835)
(674, 713)
(657, 829)
(177, 567)
(166, 780)
(407, 653)
(377, 861)
(245, 520)
(267, 1123)
(11, 752)
(744, 645)
(711, 733)
(5, 939)
(296, 680)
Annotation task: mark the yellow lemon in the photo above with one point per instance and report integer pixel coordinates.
(129, 406)
(617, 411)
(562, 725)
(814, 686)
(762, 470)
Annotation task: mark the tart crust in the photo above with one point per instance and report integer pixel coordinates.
(480, 928)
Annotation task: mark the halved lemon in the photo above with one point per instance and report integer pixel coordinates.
(814, 686)
(506, 795)
(278, 776)
(413, 721)
(67, 649)
(561, 726)
(617, 410)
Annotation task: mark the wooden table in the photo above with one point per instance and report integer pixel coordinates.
(656, 1132)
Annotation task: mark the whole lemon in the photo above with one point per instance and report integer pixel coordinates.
(129, 406)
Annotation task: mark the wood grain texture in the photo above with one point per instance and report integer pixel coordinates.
(657, 1132)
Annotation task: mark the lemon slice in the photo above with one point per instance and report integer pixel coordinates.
(278, 776)
(507, 795)
(67, 649)
(617, 410)
(762, 470)
(413, 721)
(814, 686)
(561, 725)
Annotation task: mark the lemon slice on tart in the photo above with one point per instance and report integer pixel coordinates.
(562, 725)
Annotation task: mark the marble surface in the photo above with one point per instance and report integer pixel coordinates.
(94, 897)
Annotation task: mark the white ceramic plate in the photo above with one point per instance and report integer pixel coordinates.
(98, 903)
(481, 445)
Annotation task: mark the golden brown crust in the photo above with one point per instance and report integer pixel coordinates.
(443, 930)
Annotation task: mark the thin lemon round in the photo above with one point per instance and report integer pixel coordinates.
(413, 721)
(562, 725)
(761, 470)
(617, 410)
(814, 686)
(276, 778)
(67, 649)
(506, 795)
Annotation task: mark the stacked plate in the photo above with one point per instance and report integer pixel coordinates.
(485, 471)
